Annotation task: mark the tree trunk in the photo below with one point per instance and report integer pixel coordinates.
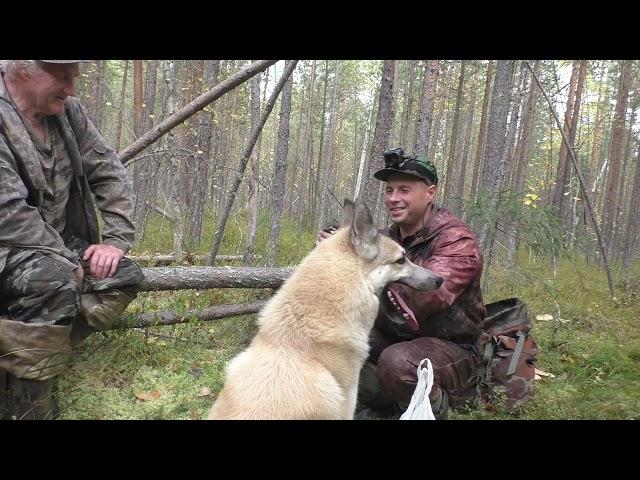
(522, 159)
(425, 117)
(512, 130)
(99, 94)
(123, 90)
(493, 171)
(616, 153)
(450, 171)
(561, 185)
(203, 278)
(173, 204)
(363, 154)
(459, 202)
(252, 204)
(524, 150)
(382, 133)
(201, 180)
(407, 104)
(632, 233)
(482, 134)
(137, 120)
(440, 108)
(280, 172)
(318, 170)
(307, 152)
(325, 193)
(147, 171)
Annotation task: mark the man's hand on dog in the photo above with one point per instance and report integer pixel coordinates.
(103, 259)
(325, 233)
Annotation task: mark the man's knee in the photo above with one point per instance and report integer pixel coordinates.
(104, 300)
(43, 290)
(396, 371)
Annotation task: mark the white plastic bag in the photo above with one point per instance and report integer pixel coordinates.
(420, 406)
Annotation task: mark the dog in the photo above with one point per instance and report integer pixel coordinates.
(313, 335)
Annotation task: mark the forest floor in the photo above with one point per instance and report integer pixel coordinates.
(175, 372)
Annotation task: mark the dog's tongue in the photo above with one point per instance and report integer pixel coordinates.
(407, 313)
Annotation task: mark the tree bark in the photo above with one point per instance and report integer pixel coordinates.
(482, 134)
(616, 153)
(141, 210)
(450, 171)
(254, 177)
(202, 278)
(382, 133)
(425, 117)
(123, 90)
(205, 134)
(407, 104)
(280, 171)
(493, 171)
(459, 201)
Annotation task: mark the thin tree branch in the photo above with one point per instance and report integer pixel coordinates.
(581, 181)
(194, 107)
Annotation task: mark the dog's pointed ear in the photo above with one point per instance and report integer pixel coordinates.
(347, 213)
(364, 234)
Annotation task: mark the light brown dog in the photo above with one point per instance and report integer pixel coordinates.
(313, 335)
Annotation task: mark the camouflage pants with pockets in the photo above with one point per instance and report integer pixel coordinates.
(41, 302)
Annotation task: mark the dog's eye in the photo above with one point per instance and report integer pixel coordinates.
(400, 260)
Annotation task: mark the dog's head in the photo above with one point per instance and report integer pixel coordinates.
(384, 260)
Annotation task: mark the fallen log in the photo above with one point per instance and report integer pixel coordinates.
(201, 278)
(172, 318)
(155, 259)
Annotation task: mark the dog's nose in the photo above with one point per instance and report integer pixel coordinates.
(439, 281)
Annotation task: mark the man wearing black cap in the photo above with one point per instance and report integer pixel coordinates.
(60, 278)
(443, 325)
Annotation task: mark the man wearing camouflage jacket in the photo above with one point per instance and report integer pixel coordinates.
(60, 279)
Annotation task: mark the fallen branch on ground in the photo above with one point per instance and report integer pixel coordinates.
(172, 318)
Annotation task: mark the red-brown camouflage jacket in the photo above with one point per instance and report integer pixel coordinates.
(455, 311)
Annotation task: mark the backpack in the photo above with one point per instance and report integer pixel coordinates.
(509, 354)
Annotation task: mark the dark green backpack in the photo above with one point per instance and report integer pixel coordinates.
(509, 355)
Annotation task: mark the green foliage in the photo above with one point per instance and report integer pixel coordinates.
(538, 230)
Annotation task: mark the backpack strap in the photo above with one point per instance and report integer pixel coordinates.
(483, 373)
(516, 353)
(486, 361)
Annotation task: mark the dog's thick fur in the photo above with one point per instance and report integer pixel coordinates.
(312, 341)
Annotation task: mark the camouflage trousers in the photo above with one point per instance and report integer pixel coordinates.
(389, 375)
(41, 304)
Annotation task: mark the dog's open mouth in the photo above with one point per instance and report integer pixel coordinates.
(402, 308)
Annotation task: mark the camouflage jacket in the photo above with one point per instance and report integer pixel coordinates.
(96, 170)
(455, 311)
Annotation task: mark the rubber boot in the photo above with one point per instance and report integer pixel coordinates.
(32, 399)
(440, 407)
(4, 395)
